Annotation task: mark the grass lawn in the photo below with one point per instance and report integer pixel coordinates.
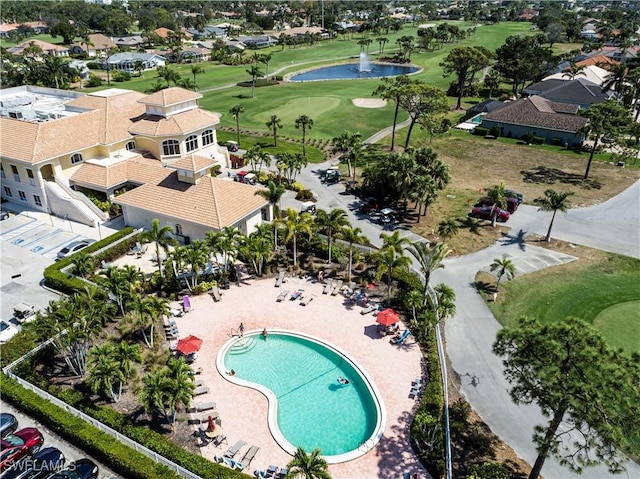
(599, 288)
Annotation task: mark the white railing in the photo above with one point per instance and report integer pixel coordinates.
(81, 198)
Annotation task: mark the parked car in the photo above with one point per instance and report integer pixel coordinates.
(80, 469)
(332, 176)
(39, 466)
(514, 194)
(7, 331)
(512, 203)
(232, 145)
(8, 424)
(369, 204)
(4, 215)
(18, 445)
(486, 213)
(72, 248)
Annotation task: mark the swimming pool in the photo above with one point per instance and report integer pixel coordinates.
(308, 407)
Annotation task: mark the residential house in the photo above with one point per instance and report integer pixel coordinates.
(555, 122)
(259, 41)
(97, 45)
(486, 106)
(134, 41)
(598, 60)
(46, 47)
(126, 61)
(185, 55)
(580, 92)
(591, 73)
(38, 28)
(162, 144)
(208, 32)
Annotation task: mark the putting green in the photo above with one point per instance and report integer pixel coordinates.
(312, 106)
(620, 326)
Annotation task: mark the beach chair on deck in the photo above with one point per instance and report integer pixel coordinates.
(336, 287)
(215, 293)
(328, 286)
(248, 457)
(371, 307)
(204, 406)
(200, 390)
(233, 450)
(186, 303)
(402, 337)
(282, 296)
(283, 472)
(218, 441)
(280, 279)
(307, 299)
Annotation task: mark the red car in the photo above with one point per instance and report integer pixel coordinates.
(16, 446)
(512, 203)
(486, 213)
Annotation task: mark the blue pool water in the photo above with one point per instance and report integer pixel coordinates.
(314, 409)
(351, 71)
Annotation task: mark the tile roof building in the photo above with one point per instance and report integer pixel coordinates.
(46, 47)
(159, 148)
(580, 91)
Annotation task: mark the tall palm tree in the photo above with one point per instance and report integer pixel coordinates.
(273, 194)
(305, 123)
(394, 241)
(503, 266)
(308, 466)
(180, 387)
(152, 393)
(274, 124)
(387, 261)
(116, 284)
(235, 111)
(197, 254)
(138, 66)
(352, 236)
(104, 371)
(295, 224)
(446, 300)
(266, 59)
(330, 223)
(414, 299)
(429, 259)
(448, 229)
(162, 238)
(255, 72)
(497, 196)
(142, 315)
(195, 71)
(555, 202)
(257, 249)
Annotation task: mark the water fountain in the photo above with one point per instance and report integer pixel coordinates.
(365, 63)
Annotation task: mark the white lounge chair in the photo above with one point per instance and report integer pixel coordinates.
(233, 450)
(248, 457)
(280, 279)
(200, 390)
(336, 287)
(282, 296)
(328, 286)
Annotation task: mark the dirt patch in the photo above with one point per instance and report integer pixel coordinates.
(369, 102)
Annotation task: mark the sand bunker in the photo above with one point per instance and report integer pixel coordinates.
(369, 102)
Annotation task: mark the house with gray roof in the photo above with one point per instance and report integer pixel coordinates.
(580, 92)
(125, 61)
(555, 122)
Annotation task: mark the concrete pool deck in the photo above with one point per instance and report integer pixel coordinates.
(243, 410)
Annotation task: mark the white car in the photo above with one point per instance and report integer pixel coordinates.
(73, 248)
(7, 332)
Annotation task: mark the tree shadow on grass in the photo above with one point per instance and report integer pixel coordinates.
(241, 96)
(542, 174)
(485, 287)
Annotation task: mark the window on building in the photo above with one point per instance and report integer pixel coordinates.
(22, 196)
(170, 147)
(179, 230)
(207, 137)
(76, 158)
(2, 172)
(192, 143)
(16, 175)
(131, 145)
(37, 200)
(32, 180)
(7, 191)
(263, 214)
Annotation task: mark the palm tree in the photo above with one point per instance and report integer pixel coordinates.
(555, 202)
(429, 259)
(273, 194)
(296, 223)
(448, 229)
(414, 300)
(142, 315)
(116, 284)
(446, 300)
(394, 241)
(266, 58)
(195, 71)
(573, 70)
(257, 249)
(381, 42)
(274, 124)
(492, 82)
(152, 394)
(104, 371)
(235, 111)
(387, 262)
(498, 197)
(162, 238)
(330, 223)
(180, 387)
(308, 466)
(83, 264)
(255, 72)
(352, 236)
(138, 66)
(196, 255)
(503, 266)
(306, 123)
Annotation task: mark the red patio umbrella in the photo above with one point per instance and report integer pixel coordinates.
(387, 317)
(189, 345)
(211, 424)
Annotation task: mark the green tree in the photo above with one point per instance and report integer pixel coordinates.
(429, 259)
(255, 72)
(83, 264)
(235, 111)
(64, 29)
(266, 59)
(464, 62)
(608, 117)
(492, 82)
(274, 124)
(448, 228)
(295, 224)
(498, 198)
(352, 236)
(114, 281)
(555, 202)
(104, 371)
(305, 123)
(273, 194)
(195, 71)
(567, 369)
(330, 223)
(503, 266)
(138, 66)
(308, 466)
(394, 241)
(387, 262)
(422, 102)
(414, 300)
(161, 237)
(394, 89)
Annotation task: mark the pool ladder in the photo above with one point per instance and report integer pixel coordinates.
(242, 345)
(366, 445)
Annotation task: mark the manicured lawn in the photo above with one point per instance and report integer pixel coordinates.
(600, 288)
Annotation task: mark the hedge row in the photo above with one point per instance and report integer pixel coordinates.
(54, 278)
(102, 446)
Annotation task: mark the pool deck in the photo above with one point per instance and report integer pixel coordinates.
(243, 411)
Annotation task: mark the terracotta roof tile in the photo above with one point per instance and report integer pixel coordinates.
(212, 202)
(193, 163)
(178, 124)
(104, 176)
(170, 96)
(45, 46)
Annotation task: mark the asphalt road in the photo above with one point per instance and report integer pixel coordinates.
(71, 453)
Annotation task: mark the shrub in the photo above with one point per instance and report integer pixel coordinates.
(556, 141)
(119, 76)
(215, 170)
(304, 195)
(495, 131)
(94, 66)
(480, 131)
(296, 186)
(203, 287)
(488, 470)
(527, 138)
(94, 81)
(538, 140)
